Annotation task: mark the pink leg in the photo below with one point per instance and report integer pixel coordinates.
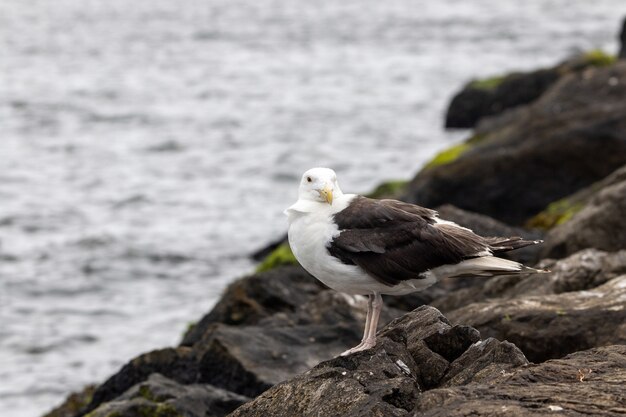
(374, 306)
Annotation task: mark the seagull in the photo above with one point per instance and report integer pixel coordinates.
(363, 246)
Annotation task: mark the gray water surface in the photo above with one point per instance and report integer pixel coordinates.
(147, 147)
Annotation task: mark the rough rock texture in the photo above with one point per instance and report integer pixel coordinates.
(414, 353)
(600, 224)
(160, 396)
(584, 270)
(588, 383)
(552, 326)
(541, 154)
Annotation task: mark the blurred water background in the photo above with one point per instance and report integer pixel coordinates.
(147, 147)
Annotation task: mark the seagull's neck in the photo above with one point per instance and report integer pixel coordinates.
(304, 206)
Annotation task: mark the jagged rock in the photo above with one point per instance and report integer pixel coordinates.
(542, 154)
(584, 270)
(250, 299)
(582, 384)
(388, 380)
(600, 224)
(552, 326)
(160, 396)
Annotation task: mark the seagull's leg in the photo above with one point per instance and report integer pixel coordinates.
(377, 306)
(374, 306)
(366, 330)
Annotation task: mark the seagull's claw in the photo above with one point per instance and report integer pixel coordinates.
(364, 345)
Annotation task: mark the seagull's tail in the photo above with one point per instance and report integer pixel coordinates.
(486, 266)
(505, 244)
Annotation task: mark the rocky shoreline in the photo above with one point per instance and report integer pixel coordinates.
(552, 165)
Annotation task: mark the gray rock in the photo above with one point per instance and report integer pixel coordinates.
(514, 171)
(552, 326)
(622, 38)
(160, 396)
(255, 297)
(582, 384)
(601, 224)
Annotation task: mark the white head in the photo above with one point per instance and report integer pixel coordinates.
(320, 185)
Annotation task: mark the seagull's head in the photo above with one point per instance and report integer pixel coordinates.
(319, 184)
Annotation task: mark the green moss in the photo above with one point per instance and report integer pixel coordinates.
(555, 214)
(161, 410)
(449, 155)
(282, 255)
(388, 189)
(507, 317)
(599, 58)
(487, 83)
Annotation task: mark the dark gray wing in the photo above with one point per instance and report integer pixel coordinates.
(395, 241)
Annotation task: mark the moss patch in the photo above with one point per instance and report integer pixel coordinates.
(555, 214)
(490, 83)
(388, 189)
(449, 155)
(74, 403)
(599, 58)
(282, 255)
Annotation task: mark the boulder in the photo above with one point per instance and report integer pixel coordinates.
(514, 170)
(250, 299)
(163, 397)
(581, 384)
(491, 96)
(601, 224)
(552, 326)
(413, 353)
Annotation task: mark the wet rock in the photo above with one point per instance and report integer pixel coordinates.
(514, 170)
(600, 224)
(582, 384)
(160, 396)
(250, 299)
(552, 326)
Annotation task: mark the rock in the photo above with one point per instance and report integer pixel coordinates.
(563, 210)
(388, 380)
(582, 384)
(248, 300)
(178, 364)
(552, 326)
(622, 50)
(160, 396)
(74, 403)
(516, 169)
(600, 224)
(491, 96)
(582, 271)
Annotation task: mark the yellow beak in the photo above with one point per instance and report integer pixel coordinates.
(327, 194)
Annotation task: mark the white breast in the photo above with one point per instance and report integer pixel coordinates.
(310, 232)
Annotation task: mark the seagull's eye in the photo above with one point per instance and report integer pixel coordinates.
(308, 179)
